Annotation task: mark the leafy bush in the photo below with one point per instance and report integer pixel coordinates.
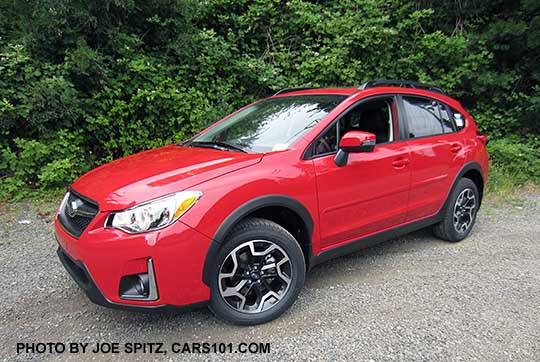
(521, 160)
(45, 164)
(84, 83)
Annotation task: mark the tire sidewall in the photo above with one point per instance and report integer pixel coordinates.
(284, 240)
(462, 185)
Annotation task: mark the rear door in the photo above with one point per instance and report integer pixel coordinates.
(436, 153)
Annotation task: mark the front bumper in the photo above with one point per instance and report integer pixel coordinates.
(100, 257)
(80, 274)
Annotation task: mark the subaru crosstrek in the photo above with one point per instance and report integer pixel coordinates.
(236, 215)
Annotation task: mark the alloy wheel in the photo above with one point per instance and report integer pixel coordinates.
(464, 210)
(255, 276)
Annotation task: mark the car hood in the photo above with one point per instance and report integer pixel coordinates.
(147, 175)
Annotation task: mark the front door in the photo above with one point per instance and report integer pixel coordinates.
(370, 193)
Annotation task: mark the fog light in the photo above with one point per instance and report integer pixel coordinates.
(142, 284)
(139, 286)
(134, 286)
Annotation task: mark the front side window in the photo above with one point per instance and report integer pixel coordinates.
(426, 117)
(269, 125)
(373, 116)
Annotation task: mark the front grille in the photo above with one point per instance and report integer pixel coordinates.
(77, 213)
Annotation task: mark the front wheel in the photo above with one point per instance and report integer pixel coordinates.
(260, 272)
(460, 213)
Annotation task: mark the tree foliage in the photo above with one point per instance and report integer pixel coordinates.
(84, 82)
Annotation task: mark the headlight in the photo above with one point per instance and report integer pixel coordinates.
(154, 214)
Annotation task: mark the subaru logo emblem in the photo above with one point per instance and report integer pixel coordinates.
(74, 206)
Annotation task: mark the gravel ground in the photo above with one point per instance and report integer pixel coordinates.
(410, 299)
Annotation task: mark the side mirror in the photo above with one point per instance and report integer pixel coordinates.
(352, 142)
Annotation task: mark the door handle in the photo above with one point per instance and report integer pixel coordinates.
(455, 147)
(400, 162)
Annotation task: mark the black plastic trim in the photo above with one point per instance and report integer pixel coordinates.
(400, 83)
(472, 165)
(85, 198)
(66, 220)
(243, 211)
(372, 240)
(341, 158)
(403, 124)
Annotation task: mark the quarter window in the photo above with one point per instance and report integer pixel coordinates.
(327, 141)
(459, 120)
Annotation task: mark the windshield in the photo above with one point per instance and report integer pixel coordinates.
(269, 125)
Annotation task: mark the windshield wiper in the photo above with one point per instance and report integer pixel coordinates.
(218, 145)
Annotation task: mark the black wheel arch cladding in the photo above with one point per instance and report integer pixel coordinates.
(246, 209)
(468, 168)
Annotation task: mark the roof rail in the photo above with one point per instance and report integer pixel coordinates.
(400, 83)
(289, 90)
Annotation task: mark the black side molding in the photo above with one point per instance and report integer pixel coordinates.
(372, 240)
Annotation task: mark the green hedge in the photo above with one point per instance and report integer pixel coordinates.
(82, 83)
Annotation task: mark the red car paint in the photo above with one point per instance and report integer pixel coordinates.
(397, 183)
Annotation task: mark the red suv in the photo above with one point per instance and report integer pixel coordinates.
(236, 215)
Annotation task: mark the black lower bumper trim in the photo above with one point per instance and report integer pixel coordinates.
(82, 277)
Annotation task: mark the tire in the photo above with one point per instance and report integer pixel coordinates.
(269, 273)
(452, 227)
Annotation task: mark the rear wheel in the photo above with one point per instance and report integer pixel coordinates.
(460, 213)
(261, 270)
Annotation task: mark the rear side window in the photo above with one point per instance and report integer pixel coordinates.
(446, 118)
(427, 117)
